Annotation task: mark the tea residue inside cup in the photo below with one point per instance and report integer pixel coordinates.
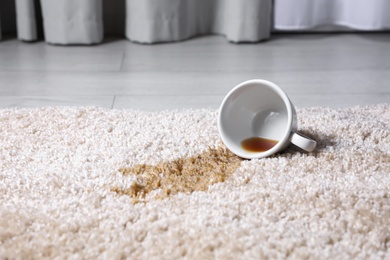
(258, 144)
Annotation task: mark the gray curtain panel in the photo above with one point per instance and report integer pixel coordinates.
(64, 21)
(146, 21)
(72, 21)
(150, 21)
(26, 20)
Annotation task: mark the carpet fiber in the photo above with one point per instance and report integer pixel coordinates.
(63, 183)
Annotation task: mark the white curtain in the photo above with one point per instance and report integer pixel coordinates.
(150, 21)
(354, 14)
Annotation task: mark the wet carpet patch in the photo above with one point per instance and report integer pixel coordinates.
(185, 175)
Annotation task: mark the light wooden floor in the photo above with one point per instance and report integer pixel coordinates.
(336, 70)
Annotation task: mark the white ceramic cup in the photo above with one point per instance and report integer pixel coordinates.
(259, 108)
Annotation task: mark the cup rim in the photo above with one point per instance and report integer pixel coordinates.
(281, 143)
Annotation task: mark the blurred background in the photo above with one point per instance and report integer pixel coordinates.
(174, 54)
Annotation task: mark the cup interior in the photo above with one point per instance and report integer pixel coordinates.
(254, 109)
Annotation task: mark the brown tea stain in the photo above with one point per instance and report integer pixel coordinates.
(185, 175)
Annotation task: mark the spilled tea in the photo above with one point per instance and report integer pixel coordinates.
(185, 175)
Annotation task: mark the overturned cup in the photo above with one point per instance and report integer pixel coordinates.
(257, 119)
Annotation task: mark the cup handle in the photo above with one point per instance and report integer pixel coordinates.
(303, 142)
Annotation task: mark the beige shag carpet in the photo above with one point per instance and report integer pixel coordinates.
(80, 183)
